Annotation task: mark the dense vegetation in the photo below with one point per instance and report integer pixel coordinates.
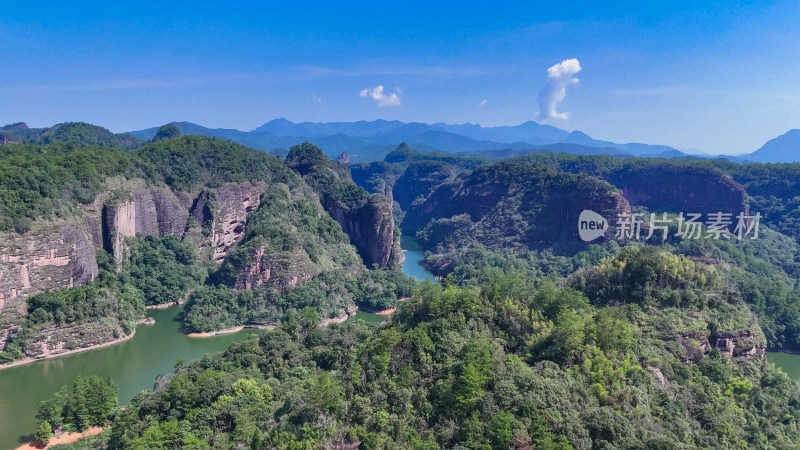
(366, 218)
(91, 401)
(78, 317)
(508, 364)
(330, 179)
(525, 343)
(167, 131)
(80, 133)
(302, 258)
(47, 182)
(163, 269)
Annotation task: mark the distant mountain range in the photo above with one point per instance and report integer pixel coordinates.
(367, 141)
(373, 140)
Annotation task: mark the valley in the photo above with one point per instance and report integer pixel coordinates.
(133, 364)
(265, 255)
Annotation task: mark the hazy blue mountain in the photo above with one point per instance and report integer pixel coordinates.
(575, 149)
(530, 132)
(370, 140)
(784, 148)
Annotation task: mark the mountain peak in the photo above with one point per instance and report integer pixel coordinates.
(15, 126)
(784, 148)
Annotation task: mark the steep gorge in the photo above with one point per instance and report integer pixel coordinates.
(367, 218)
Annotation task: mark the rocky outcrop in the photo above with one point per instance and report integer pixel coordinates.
(750, 345)
(56, 256)
(62, 254)
(233, 202)
(419, 180)
(371, 229)
(679, 188)
(508, 205)
(366, 218)
(742, 345)
(279, 272)
(151, 211)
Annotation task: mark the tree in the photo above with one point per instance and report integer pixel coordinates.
(44, 433)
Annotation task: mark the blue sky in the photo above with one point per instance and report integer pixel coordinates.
(721, 77)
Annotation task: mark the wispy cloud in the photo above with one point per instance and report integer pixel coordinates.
(379, 96)
(559, 76)
(316, 99)
(482, 103)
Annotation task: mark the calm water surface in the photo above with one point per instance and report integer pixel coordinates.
(788, 363)
(133, 364)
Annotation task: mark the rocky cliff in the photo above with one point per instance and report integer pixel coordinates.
(54, 256)
(511, 204)
(62, 254)
(367, 219)
(371, 229)
(677, 188)
(420, 179)
(149, 211)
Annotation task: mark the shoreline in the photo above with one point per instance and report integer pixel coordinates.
(165, 305)
(205, 334)
(324, 323)
(64, 438)
(383, 312)
(198, 335)
(783, 350)
(29, 360)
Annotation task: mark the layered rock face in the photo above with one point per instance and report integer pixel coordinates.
(371, 229)
(279, 272)
(151, 212)
(59, 255)
(62, 254)
(510, 204)
(677, 188)
(750, 345)
(234, 202)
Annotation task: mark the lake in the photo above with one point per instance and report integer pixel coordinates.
(787, 362)
(133, 364)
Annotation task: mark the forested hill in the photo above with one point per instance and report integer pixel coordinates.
(366, 218)
(77, 132)
(236, 228)
(441, 197)
(526, 342)
(515, 363)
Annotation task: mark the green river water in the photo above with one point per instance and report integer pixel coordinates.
(133, 364)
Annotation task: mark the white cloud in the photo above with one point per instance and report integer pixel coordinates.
(482, 103)
(379, 96)
(559, 77)
(316, 99)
